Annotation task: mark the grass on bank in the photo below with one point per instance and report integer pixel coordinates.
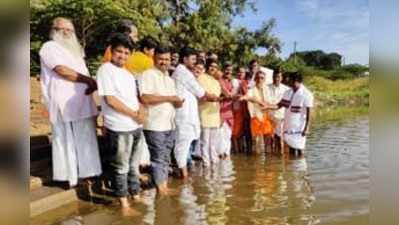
(348, 92)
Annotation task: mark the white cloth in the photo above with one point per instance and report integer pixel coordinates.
(60, 95)
(142, 154)
(120, 83)
(268, 75)
(260, 95)
(75, 150)
(187, 117)
(225, 139)
(161, 117)
(210, 138)
(188, 88)
(275, 94)
(236, 86)
(295, 116)
(185, 135)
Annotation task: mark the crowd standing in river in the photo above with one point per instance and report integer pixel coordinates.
(161, 109)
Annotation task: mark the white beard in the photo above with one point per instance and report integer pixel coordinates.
(70, 43)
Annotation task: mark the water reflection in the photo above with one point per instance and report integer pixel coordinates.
(329, 186)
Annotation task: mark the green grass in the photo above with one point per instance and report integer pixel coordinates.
(348, 92)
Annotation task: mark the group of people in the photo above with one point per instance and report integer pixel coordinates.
(161, 107)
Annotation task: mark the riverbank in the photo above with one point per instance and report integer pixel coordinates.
(330, 95)
(339, 93)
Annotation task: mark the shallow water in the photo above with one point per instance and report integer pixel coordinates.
(330, 185)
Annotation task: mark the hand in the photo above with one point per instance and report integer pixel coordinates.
(263, 105)
(211, 97)
(236, 97)
(305, 132)
(177, 102)
(91, 86)
(243, 98)
(139, 116)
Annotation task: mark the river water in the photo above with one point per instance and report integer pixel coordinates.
(330, 185)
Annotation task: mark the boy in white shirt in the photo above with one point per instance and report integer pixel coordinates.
(123, 119)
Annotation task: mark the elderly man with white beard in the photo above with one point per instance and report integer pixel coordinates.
(67, 92)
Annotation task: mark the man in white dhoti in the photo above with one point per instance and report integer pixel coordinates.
(275, 92)
(298, 103)
(67, 88)
(188, 126)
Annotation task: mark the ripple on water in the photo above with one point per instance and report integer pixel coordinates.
(329, 186)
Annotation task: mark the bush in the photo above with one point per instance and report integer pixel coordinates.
(340, 75)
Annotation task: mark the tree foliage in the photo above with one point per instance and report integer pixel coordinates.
(320, 59)
(202, 24)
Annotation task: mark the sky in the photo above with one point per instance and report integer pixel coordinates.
(340, 26)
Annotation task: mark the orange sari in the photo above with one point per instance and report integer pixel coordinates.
(240, 112)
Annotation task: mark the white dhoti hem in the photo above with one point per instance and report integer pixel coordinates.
(75, 151)
(185, 134)
(295, 140)
(225, 139)
(142, 154)
(210, 139)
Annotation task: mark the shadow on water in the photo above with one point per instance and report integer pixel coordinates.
(330, 185)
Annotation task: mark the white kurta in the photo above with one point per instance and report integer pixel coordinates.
(295, 116)
(275, 94)
(60, 95)
(74, 142)
(187, 117)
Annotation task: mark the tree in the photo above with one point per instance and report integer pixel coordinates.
(355, 69)
(319, 59)
(205, 25)
(330, 61)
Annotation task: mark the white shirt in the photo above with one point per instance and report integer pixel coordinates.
(161, 117)
(120, 83)
(296, 103)
(187, 88)
(60, 95)
(275, 94)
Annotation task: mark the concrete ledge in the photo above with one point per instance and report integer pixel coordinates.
(48, 198)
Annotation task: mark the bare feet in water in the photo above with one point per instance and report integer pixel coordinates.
(126, 209)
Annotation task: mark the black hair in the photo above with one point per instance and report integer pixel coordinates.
(162, 50)
(248, 75)
(277, 71)
(228, 64)
(148, 43)
(120, 39)
(296, 76)
(124, 26)
(200, 62)
(209, 61)
(258, 72)
(187, 52)
(252, 61)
